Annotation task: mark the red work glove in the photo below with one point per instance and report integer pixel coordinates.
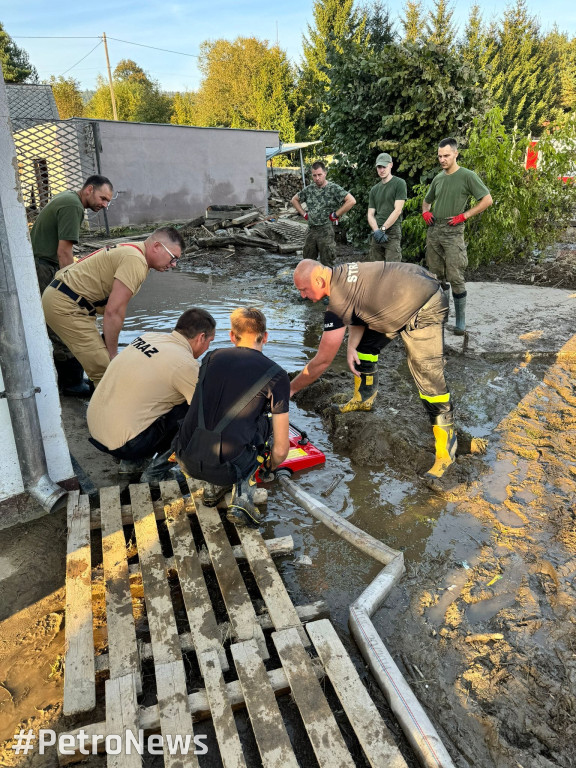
(428, 217)
(460, 219)
(305, 215)
(333, 218)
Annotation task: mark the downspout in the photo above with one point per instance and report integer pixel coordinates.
(19, 387)
(414, 721)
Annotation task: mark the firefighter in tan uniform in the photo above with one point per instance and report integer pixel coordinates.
(103, 283)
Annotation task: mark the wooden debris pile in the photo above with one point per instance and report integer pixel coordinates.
(282, 187)
(230, 226)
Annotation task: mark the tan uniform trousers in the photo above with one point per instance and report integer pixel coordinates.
(78, 331)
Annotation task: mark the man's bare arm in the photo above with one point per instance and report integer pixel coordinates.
(65, 253)
(114, 315)
(327, 349)
(281, 441)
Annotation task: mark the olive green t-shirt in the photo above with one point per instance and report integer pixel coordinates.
(449, 192)
(321, 202)
(59, 220)
(382, 198)
(93, 276)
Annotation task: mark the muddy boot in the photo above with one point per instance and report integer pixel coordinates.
(160, 468)
(460, 308)
(214, 493)
(129, 471)
(365, 388)
(242, 510)
(446, 445)
(71, 381)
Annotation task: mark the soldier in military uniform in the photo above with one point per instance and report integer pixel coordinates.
(325, 202)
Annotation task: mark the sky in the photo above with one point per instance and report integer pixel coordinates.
(58, 34)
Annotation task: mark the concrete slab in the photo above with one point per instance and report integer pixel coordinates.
(509, 319)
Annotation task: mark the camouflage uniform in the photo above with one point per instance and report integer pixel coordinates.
(320, 203)
(390, 251)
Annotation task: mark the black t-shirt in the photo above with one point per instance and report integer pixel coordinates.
(230, 375)
(380, 295)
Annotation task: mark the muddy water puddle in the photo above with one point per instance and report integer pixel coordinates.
(398, 510)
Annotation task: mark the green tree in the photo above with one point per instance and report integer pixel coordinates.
(377, 27)
(439, 27)
(184, 109)
(401, 99)
(68, 96)
(518, 77)
(138, 99)
(413, 21)
(560, 57)
(334, 22)
(16, 66)
(245, 84)
(476, 46)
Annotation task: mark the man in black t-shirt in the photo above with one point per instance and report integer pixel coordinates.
(377, 302)
(240, 404)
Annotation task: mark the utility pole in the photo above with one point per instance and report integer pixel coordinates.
(112, 97)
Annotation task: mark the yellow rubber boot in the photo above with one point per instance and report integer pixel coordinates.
(446, 445)
(365, 391)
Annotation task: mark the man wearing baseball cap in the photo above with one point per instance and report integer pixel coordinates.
(385, 204)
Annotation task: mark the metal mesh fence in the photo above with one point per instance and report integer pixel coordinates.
(52, 156)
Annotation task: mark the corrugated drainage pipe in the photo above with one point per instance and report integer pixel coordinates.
(19, 388)
(415, 723)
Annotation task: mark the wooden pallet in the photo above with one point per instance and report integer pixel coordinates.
(308, 647)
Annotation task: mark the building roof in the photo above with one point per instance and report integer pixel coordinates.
(285, 149)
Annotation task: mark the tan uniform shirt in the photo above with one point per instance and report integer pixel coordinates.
(93, 276)
(147, 379)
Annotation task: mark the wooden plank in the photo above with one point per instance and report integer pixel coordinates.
(222, 716)
(79, 676)
(373, 735)
(175, 717)
(122, 716)
(246, 218)
(311, 612)
(161, 621)
(269, 729)
(280, 607)
(199, 708)
(321, 726)
(236, 598)
(203, 627)
(122, 646)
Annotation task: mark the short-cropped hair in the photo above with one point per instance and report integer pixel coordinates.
(449, 142)
(97, 181)
(248, 320)
(195, 321)
(318, 164)
(172, 234)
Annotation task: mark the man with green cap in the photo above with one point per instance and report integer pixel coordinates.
(449, 194)
(385, 204)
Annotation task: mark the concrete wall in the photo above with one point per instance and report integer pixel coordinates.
(171, 172)
(39, 347)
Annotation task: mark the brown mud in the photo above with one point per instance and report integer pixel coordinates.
(484, 622)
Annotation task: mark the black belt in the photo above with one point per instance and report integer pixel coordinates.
(80, 300)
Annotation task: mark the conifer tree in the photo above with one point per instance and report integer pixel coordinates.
(413, 21)
(16, 67)
(439, 27)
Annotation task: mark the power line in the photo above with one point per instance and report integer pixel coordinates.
(82, 59)
(154, 48)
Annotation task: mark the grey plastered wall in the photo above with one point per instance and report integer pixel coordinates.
(171, 172)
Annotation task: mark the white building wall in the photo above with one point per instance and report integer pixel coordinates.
(39, 347)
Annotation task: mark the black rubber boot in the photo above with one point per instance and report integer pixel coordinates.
(71, 380)
(460, 307)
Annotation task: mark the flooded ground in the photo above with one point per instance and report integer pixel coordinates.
(483, 624)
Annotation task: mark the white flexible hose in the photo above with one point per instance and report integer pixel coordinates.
(415, 723)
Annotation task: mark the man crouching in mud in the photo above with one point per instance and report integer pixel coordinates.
(379, 301)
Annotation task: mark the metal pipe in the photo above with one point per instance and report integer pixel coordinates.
(19, 388)
(412, 718)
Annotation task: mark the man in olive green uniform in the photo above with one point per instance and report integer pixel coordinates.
(385, 204)
(448, 195)
(325, 202)
(55, 232)
(103, 283)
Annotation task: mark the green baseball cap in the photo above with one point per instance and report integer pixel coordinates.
(383, 159)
